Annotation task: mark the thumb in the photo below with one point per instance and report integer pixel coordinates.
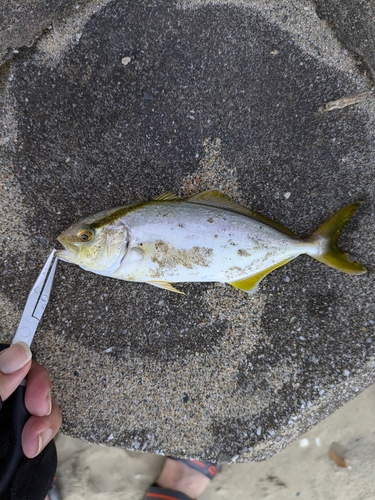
(14, 366)
(14, 358)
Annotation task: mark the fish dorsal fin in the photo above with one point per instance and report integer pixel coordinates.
(250, 284)
(165, 285)
(166, 197)
(215, 198)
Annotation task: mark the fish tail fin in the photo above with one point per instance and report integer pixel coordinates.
(326, 237)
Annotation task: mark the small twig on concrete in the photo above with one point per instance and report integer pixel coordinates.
(343, 102)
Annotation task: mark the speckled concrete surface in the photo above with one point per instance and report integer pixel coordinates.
(303, 470)
(182, 97)
(24, 22)
(353, 23)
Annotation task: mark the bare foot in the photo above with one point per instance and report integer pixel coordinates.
(178, 476)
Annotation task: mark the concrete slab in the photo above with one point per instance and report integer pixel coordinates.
(354, 24)
(167, 96)
(22, 22)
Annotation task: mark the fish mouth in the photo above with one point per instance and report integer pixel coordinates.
(70, 252)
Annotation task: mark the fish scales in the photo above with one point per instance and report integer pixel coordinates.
(205, 238)
(204, 247)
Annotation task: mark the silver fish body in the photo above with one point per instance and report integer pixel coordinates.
(206, 238)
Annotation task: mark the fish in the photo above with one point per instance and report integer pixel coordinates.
(207, 237)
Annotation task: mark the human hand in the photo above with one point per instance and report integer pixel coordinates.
(45, 419)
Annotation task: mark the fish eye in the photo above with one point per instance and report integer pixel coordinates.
(86, 234)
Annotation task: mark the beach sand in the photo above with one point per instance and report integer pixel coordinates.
(303, 470)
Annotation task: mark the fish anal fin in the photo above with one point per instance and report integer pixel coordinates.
(165, 285)
(215, 198)
(166, 197)
(250, 284)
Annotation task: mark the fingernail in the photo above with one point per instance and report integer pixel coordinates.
(43, 438)
(49, 402)
(14, 358)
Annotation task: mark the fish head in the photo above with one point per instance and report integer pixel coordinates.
(97, 249)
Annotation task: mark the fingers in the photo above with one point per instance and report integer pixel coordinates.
(38, 431)
(38, 399)
(14, 366)
(45, 420)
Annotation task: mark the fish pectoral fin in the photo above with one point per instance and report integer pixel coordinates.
(250, 284)
(166, 197)
(165, 285)
(215, 198)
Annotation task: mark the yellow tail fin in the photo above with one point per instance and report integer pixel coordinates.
(328, 235)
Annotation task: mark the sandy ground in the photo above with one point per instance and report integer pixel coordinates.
(303, 470)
